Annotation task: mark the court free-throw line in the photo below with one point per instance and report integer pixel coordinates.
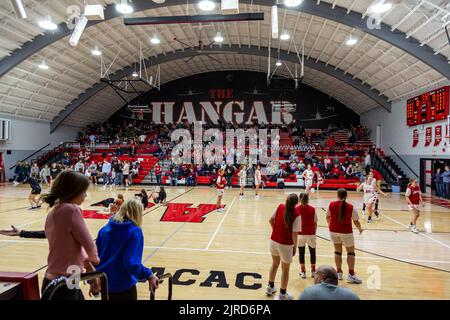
(220, 224)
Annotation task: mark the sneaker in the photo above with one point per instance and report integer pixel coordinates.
(414, 229)
(241, 197)
(363, 212)
(286, 296)
(369, 220)
(340, 276)
(256, 197)
(15, 183)
(353, 279)
(220, 209)
(302, 274)
(110, 188)
(104, 187)
(270, 291)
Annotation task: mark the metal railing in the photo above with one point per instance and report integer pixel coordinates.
(404, 162)
(161, 280)
(31, 155)
(54, 285)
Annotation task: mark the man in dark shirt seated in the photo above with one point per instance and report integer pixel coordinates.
(326, 287)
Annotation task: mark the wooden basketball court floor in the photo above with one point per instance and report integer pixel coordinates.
(392, 262)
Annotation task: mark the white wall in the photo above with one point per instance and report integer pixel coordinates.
(398, 135)
(28, 136)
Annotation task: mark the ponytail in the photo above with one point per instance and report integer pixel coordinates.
(291, 202)
(67, 186)
(342, 195)
(304, 199)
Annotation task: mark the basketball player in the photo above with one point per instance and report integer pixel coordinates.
(286, 223)
(370, 194)
(308, 176)
(242, 180)
(319, 180)
(159, 195)
(221, 182)
(378, 177)
(307, 235)
(340, 215)
(258, 181)
(414, 198)
(34, 196)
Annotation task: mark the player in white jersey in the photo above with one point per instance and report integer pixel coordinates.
(258, 181)
(242, 180)
(371, 191)
(308, 176)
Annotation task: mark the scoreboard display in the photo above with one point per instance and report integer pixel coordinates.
(428, 107)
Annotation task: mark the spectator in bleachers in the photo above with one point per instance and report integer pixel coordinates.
(229, 173)
(349, 172)
(34, 171)
(44, 175)
(106, 174)
(118, 171)
(79, 166)
(126, 173)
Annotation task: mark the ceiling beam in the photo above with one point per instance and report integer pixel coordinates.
(240, 50)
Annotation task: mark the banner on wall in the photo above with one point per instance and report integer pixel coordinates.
(415, 137)
(428, 136)
(437, 135)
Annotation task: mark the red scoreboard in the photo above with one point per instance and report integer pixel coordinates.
(428, 107)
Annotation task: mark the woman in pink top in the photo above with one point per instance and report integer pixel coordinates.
(71, 247)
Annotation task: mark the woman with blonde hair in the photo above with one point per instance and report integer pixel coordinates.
(120, 245)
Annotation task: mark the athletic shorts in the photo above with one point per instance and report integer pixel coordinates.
(308, 184)
(414, 207)
(281, 250)
(125, 176)
(220, 192)
(370, 200)
(346, 239)
(304, 239)
(35, 191)
(242, 182)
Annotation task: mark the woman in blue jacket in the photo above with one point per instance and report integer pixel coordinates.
(120, 244)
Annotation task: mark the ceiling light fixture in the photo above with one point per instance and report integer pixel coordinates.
(48, 24)
(292, 3)
(278, 63)
(218, 37)
(43, 65)
(285, 36)
(206, 5)
(96, 52)
(124, 7)
(155, 40)
(135, 74)
(380, 7)
(351, 41)
(274, 17)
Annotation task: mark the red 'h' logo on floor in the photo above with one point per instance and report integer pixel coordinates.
(183, 212)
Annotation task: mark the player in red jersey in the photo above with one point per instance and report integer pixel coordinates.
(414, 198)
(307, 235)
(340, 215)
(285, 223)
(220, 184)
